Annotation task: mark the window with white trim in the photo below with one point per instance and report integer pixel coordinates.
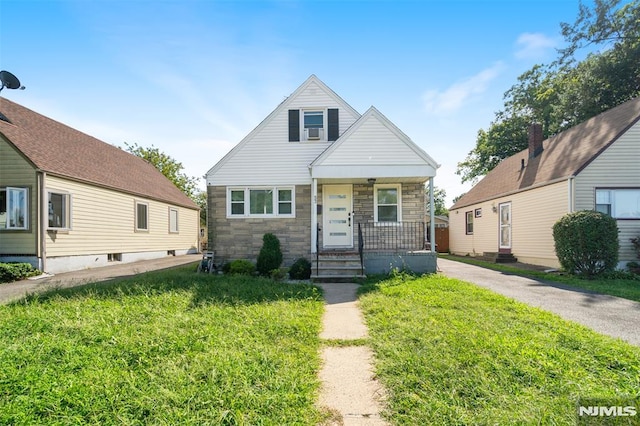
(619, 203)
(14, 204)
(59, 210)
(261, 202)
(468, 223)
(314, 125)
(142, 216)
(173, 220)
(387, 205)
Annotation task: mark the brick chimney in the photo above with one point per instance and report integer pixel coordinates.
(535, 140)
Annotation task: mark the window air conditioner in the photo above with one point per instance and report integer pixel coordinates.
(313, 133)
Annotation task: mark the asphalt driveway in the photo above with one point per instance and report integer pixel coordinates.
(19, 289)
(605, 314)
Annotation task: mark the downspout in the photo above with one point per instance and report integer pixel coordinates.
(432, 224)
(43, 219)
(570, 190)
(314, 214)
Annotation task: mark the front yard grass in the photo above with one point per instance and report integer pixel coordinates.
(450, 352)
(614, 285)
(171, 347)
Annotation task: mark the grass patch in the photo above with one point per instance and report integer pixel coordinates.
(171, 347)
(345, 343)
(450, 352)
(623, 285)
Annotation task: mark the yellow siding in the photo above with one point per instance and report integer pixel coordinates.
(617, 167)
(533, 214)
(103, 222)
(18, 172)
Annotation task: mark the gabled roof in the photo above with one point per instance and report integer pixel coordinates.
(312, 80)
(564, 155)
(403, 144)
(58, 149)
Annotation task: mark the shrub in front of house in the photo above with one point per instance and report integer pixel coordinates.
(270, 256)
(16, 271)
(586, 243)
(241, 267)
(300, 270)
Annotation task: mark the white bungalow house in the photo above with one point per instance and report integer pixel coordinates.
(592, 166)
(325, 180)
(69, 201)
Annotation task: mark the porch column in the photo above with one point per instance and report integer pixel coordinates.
(314, 214)
(432, 215)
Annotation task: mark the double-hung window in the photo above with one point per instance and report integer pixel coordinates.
(173, 220)
(314, 125)
(142, 216)
(387, 203)
(14, 208)
(261, 202)
(59, 209)
(622, 203)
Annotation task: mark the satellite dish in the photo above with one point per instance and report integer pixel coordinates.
(10, 81)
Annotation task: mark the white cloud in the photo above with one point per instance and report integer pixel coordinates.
(534, 45)
(456, 96)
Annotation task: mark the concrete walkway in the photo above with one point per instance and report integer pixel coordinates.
(19, 289)
(349, 388)
(609, 315)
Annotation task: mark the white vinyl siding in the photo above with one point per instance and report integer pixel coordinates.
(617, 167)
(104, 222)
(372, 144)
(266, 156)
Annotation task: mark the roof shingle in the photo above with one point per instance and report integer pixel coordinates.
(61, 150)
(564, 155)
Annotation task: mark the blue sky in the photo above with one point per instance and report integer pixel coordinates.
(194, 77)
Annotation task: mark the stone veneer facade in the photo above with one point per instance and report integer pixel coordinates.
(241, 238)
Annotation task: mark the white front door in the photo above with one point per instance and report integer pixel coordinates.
(505, 226)
(337, 216)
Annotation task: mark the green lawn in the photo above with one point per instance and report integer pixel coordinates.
(170, 347)
(451, 353)
(623, 285)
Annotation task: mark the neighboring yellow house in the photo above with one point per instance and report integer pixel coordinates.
(69, 201)
(592, 166)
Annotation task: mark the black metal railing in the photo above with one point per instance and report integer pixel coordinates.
(317, 249)
(391, 236)
(361, 248)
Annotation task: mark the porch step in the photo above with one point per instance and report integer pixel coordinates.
(499, 257)
(336, 267)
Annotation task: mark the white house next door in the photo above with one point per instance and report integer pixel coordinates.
(337, 227)
(505, 227)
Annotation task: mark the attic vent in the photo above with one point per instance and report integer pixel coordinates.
(4, 118)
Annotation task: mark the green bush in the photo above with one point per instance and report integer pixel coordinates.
(241, 267)
(586, 242)
(300, 270)
(16, 271)
(270, 256)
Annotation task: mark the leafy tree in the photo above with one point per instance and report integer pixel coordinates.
(568, 91)
(169, 167)
(439, 196)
